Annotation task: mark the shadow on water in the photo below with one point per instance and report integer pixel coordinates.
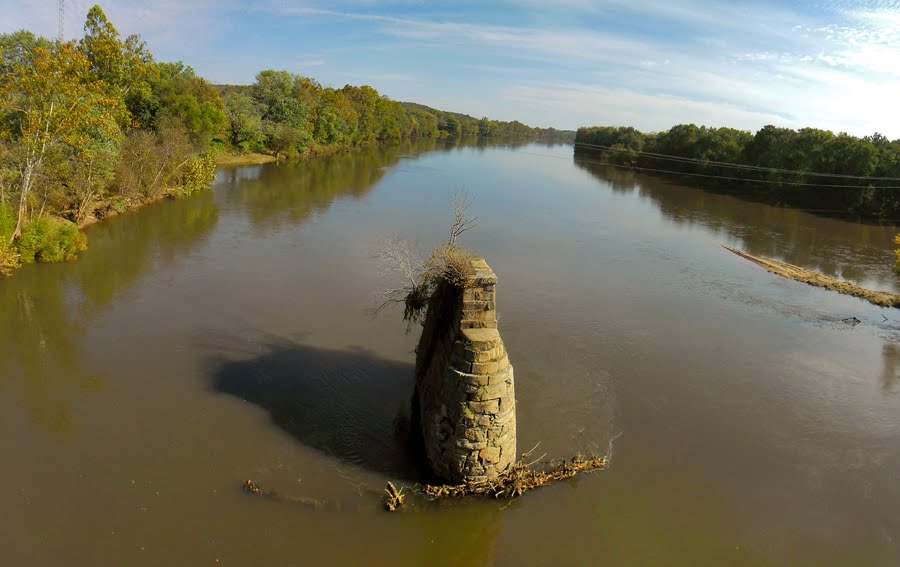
(348, 404)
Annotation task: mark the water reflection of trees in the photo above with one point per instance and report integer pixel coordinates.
(286, 194)
(891, 355)
(45, 311)
(852, 250)
(40, 354)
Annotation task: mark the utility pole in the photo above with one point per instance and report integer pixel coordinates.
(62, 15)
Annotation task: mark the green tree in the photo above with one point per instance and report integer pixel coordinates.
(485, 127)
(449, 125)
(391, 119)
(245, 121)
(87, 175)
(191, 99)
(336, 119)
(16, 49)
(283, 140)
(274, 90)
(365, 101)
(125, 67)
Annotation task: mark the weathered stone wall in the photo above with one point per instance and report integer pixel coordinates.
(464, 383)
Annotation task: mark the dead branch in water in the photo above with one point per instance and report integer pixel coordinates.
(251, 487)
(796, 273)
(461, 219)
(519, 479)
(394, 499)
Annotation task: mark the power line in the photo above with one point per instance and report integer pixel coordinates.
(731, 165)
(61, 21)
(723, 177)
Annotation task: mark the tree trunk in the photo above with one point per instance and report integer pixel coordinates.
(23, 201)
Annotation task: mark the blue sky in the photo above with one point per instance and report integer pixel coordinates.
(831, 64)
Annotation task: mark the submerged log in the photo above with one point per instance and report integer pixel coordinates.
(251, 487)
(796, 273)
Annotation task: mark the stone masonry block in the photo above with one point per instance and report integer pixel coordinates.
(476, 435)
(471, 445)
(486, 407)
(493, 367)
(463, 379)
(469, 324)
(505, 417)
(459, 362)
(505, 375)
(479, 305)
(491, 392)
(481, 339)
(508, 405)
(482, 420)
(482, 294)
(479, 315)
(495, 353)
(462, 353)
(490, 454)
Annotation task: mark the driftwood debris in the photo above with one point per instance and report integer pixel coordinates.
(519, 479)
(790, 271)
(394, 500)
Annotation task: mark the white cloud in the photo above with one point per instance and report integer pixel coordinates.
(572, 104)
(834, 65)
(162, 23)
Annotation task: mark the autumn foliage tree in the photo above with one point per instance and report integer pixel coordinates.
(90, 127)
(52, 108)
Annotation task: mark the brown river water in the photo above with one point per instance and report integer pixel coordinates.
(202, 342)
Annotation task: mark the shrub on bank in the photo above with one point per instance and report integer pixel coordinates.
(50, 240)
(9, 258)
(198, 174)
(897, 252)
(7, 223)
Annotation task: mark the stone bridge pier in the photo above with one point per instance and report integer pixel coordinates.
(464, 383)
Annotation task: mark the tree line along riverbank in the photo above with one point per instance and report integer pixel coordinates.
(95, 127)
(807, 168)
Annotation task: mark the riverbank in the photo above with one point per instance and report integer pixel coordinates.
(228, 159)
(810, 169)
(115, 204)
(796, 273)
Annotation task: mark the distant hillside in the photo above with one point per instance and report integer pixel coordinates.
(471, 126)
